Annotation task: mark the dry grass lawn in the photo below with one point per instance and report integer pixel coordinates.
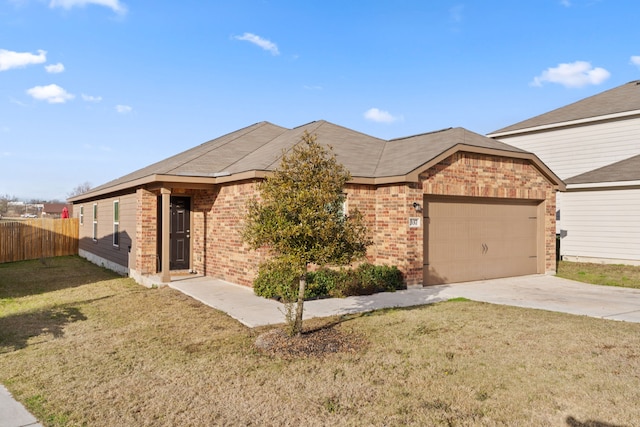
(627, 276)
(81, 346)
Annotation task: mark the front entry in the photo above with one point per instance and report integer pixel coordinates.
(180, 233)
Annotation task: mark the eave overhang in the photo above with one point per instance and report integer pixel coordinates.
(184, 180)
(600, 186)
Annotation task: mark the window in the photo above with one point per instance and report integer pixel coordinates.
(116, 223)
(95, 222)
(341, 209)
(81, 215)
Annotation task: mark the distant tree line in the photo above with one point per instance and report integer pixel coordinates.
(6, 199)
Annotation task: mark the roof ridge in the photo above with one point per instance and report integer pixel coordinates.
(246, 129)
(262, 145)
(352, 130)
(386, 145)
(284, 152)
(323, 122)
(420, 134)
(375, 170)
(364, 134)
(305, 124)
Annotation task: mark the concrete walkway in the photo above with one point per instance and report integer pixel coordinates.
(12, 413)
(536, 291)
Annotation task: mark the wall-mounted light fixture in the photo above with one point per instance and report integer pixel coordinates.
(417, 207)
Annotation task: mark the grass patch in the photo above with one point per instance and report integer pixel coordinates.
(458, 299)
(107, 352)
(627, 276)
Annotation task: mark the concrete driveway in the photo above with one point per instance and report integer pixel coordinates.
(536, 291)
(554, 294)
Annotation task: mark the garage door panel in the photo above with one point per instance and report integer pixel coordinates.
(475, 239)
(452, 229)
(509, 266)
(452, 271)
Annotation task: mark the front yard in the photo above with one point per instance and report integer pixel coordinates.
(601, 274)
(82, 346)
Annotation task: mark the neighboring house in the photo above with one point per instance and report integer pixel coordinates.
(593, 145)
(54, 210)
(444, 206)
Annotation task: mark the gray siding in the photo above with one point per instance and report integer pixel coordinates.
(601, 224)
(576, 150)
(103, 246)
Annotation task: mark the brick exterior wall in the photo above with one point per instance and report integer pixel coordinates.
(145, 246)
(217, 216)
(477, 175)
(388, 208)
(218, 249)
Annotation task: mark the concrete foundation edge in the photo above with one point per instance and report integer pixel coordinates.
(596, 260)
(103, 262)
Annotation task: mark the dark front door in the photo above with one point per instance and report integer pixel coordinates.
(180, 232)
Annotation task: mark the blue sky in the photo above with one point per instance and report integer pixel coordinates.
(91, 90)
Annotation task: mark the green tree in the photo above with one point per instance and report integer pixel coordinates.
(300, 216)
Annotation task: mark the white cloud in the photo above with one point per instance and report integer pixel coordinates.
(380, 116)
(114, 5)
(260, 42)
(10, 59)
(565, 3)
(456, 13)
(53, 94)
(17, 102)
(635, 60)
(54, 68)
(309, 87)
(90, 98)
(576, 74)
(123, 109)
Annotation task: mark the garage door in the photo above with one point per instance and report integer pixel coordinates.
(475, 238)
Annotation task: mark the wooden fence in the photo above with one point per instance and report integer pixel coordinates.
(38, 238)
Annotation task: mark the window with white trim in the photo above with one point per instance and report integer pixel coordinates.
(95, 223)
(116, 223)
(81, 215)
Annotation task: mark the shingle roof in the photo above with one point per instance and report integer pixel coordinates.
(53, 208)
(210, 157)
(404, 155)
(260, 147)
(620, 99)
(624, 170)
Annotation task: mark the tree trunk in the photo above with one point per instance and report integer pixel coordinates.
(297, 328)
